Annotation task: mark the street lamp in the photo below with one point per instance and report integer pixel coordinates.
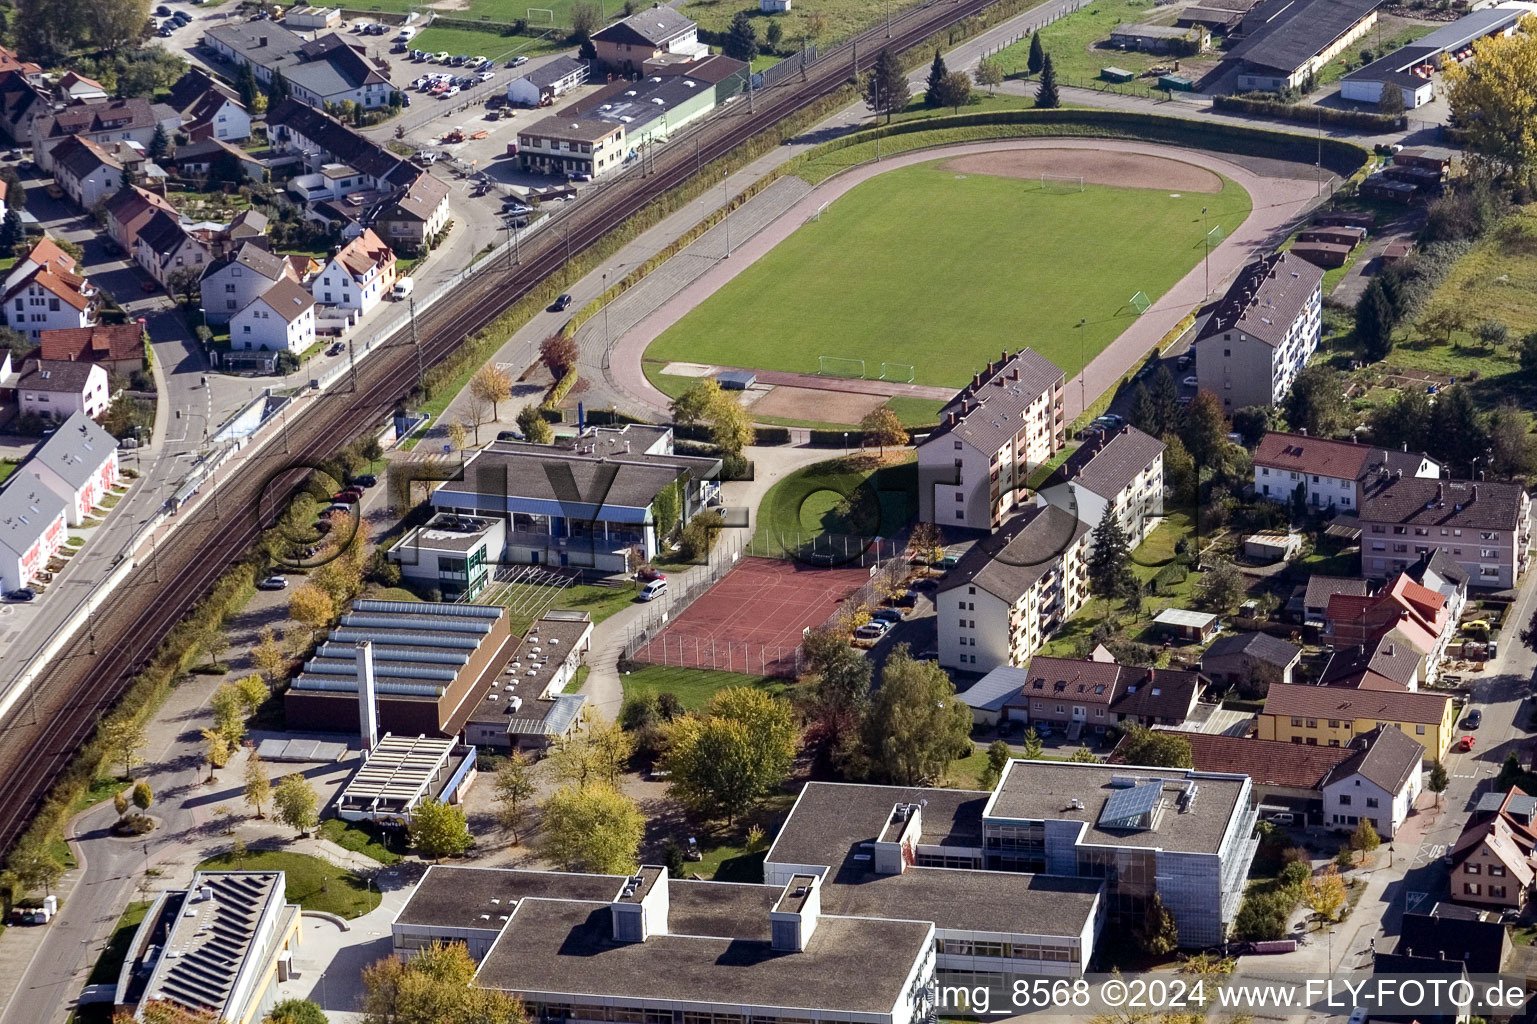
(1206, 241)
(726, 218)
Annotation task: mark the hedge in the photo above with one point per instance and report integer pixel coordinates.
(1308, 114)
(560, 389)
(769, 436)
(611, 418)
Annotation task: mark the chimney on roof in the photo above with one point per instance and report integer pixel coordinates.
(1014, 373)
(261, 41)
(1440, 494)
(976, 380)
(1303, 431)
(1406, 446)
(1398, 474)
(1473, 495)
(1003, 357)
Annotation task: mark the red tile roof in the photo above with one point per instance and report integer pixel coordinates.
(1340, 703)
(1299, 453)
(104, 341)
(1267, 762)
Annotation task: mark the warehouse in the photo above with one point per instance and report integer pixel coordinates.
(1285, 43)
(1413, 68)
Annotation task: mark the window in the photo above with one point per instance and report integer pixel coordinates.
(1297, 721)
(957, 446)
(1371, 801)
(959, 514)
(1471, 889)
(1497, 890)
(1496, 870)
(1419, 730)
(1345, 800)
(1470, 868)
(1312, 723)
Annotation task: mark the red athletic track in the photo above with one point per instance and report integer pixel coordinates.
(752, 620)
(88, 676)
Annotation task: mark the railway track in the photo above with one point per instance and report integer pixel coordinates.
(47, 728)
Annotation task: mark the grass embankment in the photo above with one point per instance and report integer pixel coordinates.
(312, 883)
(692, 686)
(807, 504)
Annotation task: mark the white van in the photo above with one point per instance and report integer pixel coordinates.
(653, 590)
(402, 288)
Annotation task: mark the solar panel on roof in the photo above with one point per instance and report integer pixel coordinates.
(1131, 808)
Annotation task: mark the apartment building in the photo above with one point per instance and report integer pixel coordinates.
(235, 281)
(328, 69)
(571, 147)
(1119, 475)
(86, 171)
(124, 120)
(1330, 716)
(32, 529)
(1485, 527)
(1262, 332)
(358, 277)
(128, 210)
(78, 462)
(165, 247)
(972, 469)
(42, 293)
(1012, 590)
(1332, 474)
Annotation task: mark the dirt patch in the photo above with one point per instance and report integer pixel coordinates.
(822, 406)
(1096, 166)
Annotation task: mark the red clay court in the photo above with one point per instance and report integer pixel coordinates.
(752, 620)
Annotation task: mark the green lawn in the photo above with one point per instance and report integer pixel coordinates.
(692, 686)
(916, 412)
(1028, 285)
(577, 679)
(111, 959)
(1072, 41)
(354, 836)
(7, 467)
(805, 504)
(527, 601)
(473, 43)
(312, 883)
(504, 11)
(981, 103)
(844, 18)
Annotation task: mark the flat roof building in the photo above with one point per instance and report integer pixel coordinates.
(453, 554)
(402, 771)
(526, 709)
(1413, 67)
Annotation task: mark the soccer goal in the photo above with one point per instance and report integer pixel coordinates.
(818, 214)
(1062, 183)
(1214, 237)
(901, 373)
(1140, 302)
(548, 19)
(840, 366)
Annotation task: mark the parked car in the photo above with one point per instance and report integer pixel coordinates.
(519, 61)
(653, 590)
(1466, 743)
(1191, 382)
(273, 583)
(891, 615)
(873, 630)
(452, 90)
(336, 349)
(365, 480)
(648, 574)
(1475, 719)
(486, 76)
(162, 11)
(509, 435)
(348, 495)
(24, 594)
(562, 303)
(1476, 626)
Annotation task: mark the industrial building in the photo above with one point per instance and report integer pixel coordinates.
(1412, 68)
(526, 709)
(402, 771)
(413, 668)
(1286, 43)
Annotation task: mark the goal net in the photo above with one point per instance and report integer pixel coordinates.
(1214, 237)
(840, 366)
(546, 19)
(1140, 302)
(1062, 183)
(901, 373)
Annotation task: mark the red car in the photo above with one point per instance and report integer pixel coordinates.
(1466, 744)
(648, 574)
(348, 496)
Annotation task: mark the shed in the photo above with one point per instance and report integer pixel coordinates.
(1396, 251)
(1323, 254)
(1353, 218)
(1272, 546)
(1176, 83)
(1117, 74)
(1335, 234)
(736, 380)
(1380, 187)
(1185, 624)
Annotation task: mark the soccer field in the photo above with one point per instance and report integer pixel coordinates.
(944, 271)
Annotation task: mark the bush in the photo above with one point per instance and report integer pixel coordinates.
(766, 436)
(1295, 874)
(1169, 577)
(1309, 114)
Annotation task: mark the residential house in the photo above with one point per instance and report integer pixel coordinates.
(547, 82)
(1477, 938)
(358, 277)
(571, 148)
(166, 249)
(1331, 716)
(208, 109)
(232, 283)
(1485, 527)
(128, 210)
(78, 462)
(1261, 333)
(293, 128)
(1288, 778)
(45, 254)
(626, 45)
(972, 469)
(1417, 614)
(248, 225)
(1245, 658)
(1012, 590)
(1494, 861)
(48, 297)
(417, 214)
(116, 348)
(1121, 475)
(56, 389)
(281, 319)
(1284, 44)
(1076, 694)
(1379, 782)
(1439, 572)
(210, 157)
(1332, 474)
(1320, 589)
(126, 120)
(32, 530)
(73, 87)
(21, 102)
(326, 70)
(85, 171)
(1390, 662)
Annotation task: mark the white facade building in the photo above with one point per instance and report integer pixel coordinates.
(358, 277)
(32, 530)
(78, 462)
(1262, 333)
(281, 319)
(57, 389)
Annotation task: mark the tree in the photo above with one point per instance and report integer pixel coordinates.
(268, 657)
(160, 142)
(1390, 102)
(954, 91)
(1155, 748)
(882, 427)
(916, 725)
(1144, 411)
(534, 426)
(1262, 916)
(434, 987)
(122, 738)
(1444, 321)
(697, 403)
(773, 32)
(258, 788)
(593, 828)
(1325, 893)
(143, 796)
(1165, 394)
(253, 693)
(1402, 423)
(1108, 567)
(492, 385)
(214, 641)
(514, 789)
(925, 542)
(699, 535)
(439, 830)
(1254, 422)
(1033, 745)
(1316, 403)
(1527, 350)
(989, 73)
(559, 354)
(245, 85)
(12, 232)
(1156, 934)
(1365, 840)
(1459, 432)
(586, 18)
(310, 606)
(742, 39)
(998, 756)
(731, 428)
(277, 88)
(937, 73)
(1491, 100)
(1375, 320)
(1438, 780)
(1179, 470)
(815, 25)
(886, 88)
(295, 803)
(1205, 430)
(111, 23)
(1037, 58)
(1222, 586)
(1492, 334)
(295, 1011)
(120, 802)
(1047, 97)
(216, 750)
(1512, 448)
(34, 866)
(738, 751)
(598, 752)
(1083, 755)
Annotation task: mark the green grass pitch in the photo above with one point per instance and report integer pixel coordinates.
(944, 271)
